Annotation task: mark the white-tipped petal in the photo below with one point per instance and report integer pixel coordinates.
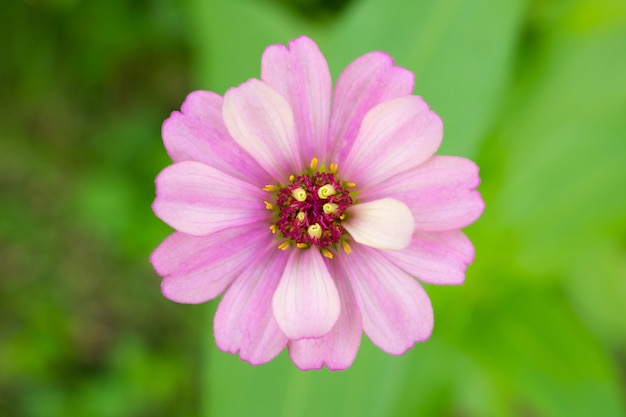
(306, 302)
(300, 74)
(261, 121)
(337, 348)
(198, 199)
(395, 136)
(384, 224)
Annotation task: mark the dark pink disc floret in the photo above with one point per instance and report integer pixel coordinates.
(295, 226)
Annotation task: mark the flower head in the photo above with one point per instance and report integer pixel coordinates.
(317, 221)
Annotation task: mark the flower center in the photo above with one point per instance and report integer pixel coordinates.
(310, 209)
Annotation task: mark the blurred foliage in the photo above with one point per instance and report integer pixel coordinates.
(315, 9)
(535, 91)
(85, 331)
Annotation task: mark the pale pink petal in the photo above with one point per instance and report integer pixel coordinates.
(198, 199)
(436, 258)
(301, 75)
(395, 136)
(404, 223)
(198, 133)
(440, 193)
(385, 224)
(368, 81)
(306, 302)
(338, 348)
(261, 121)
(396, 310)
(199, 268)
(244, 321)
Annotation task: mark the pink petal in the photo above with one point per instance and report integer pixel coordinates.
(244, 321)
(436, 258)
(395, 136)
(396, 310)
(261, 121)
(199, 200)
(198, 134)
(306, 302)
(338, 348)
(199, 268)
(368, 81)
(301, 75)
(440, 193)
(385, 224)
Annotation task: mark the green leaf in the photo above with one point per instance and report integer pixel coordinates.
(543, 358)
(231, 36)
(597, 287)
(279, 389)
(563, 148)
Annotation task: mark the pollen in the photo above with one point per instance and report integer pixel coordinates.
(273, 229)
(330, 208)
(333, 168)
(271, 188)
(299, 194)
(314, 162)
(346, 247)
(315, 231)
(268, 205)
(283, 246)
(326, 191)
(327, 253)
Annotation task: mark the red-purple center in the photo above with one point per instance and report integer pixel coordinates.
(311, 209)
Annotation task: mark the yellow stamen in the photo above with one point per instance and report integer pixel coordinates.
(346, 248)
(342, 217)
(273, 229)
(314, 162)
(330, 208)
(299, 194)
(283, 246)
(315, 230)
(270, 188)
(301, 216)
(350, 184)
(327, 253)
(292, 178)
(333, 168)
(302, 245)
(326, 191)
(268, 205)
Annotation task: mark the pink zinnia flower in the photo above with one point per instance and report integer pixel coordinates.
(314, 219)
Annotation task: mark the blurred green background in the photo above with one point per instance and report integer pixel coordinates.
(534, 91)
